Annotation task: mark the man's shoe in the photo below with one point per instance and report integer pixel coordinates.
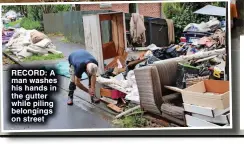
(70, 101)
(94, 99)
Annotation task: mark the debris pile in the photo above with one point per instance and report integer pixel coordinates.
(25, 43)
(120, 75)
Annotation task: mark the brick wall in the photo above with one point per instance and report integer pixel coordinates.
(115, 7)
(150, 9)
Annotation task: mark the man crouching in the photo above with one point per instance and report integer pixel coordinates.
(82, 61)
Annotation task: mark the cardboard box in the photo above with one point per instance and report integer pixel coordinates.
(206, 111)
(207, 93)
(192, 121)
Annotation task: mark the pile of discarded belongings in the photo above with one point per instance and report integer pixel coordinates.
(210, 33)
(182, 74)
(206, 103)
(25, 43)
(205, 92)
(121, 77)
(214, 41)
(7, 34)
(118, 83)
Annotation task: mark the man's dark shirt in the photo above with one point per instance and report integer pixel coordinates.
(79, 59)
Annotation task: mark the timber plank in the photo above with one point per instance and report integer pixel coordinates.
(115, 108)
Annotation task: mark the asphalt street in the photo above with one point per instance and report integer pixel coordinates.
(79, 116)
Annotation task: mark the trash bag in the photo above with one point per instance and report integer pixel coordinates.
(160, 54)
(173, 53)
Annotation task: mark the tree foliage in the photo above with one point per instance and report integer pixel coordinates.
(182, 14)
(30, 24)
(22, 9)
(36, 12)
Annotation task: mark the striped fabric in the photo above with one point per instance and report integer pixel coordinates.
(149, 88)
(154, 97)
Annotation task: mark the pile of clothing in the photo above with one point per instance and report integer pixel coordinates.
(25, 43)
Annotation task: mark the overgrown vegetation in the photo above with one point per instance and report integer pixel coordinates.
(43, 57)
(65, 39)
(30, 24)
(36, 12)
(7, 52)
(54, 34)
(134, 120)
(183, 13)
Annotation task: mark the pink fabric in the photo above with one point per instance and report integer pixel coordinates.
(206, 41)
(117, 94)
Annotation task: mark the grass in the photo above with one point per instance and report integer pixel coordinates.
(65, 39)
(132, 121)
(7, 52)
(43, 57)
(12, 24)
(54, 34)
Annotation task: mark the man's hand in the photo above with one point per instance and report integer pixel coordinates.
(91, 91)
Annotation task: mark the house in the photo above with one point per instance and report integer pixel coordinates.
(145, 9)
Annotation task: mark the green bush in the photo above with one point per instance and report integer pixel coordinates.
(29, 24)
